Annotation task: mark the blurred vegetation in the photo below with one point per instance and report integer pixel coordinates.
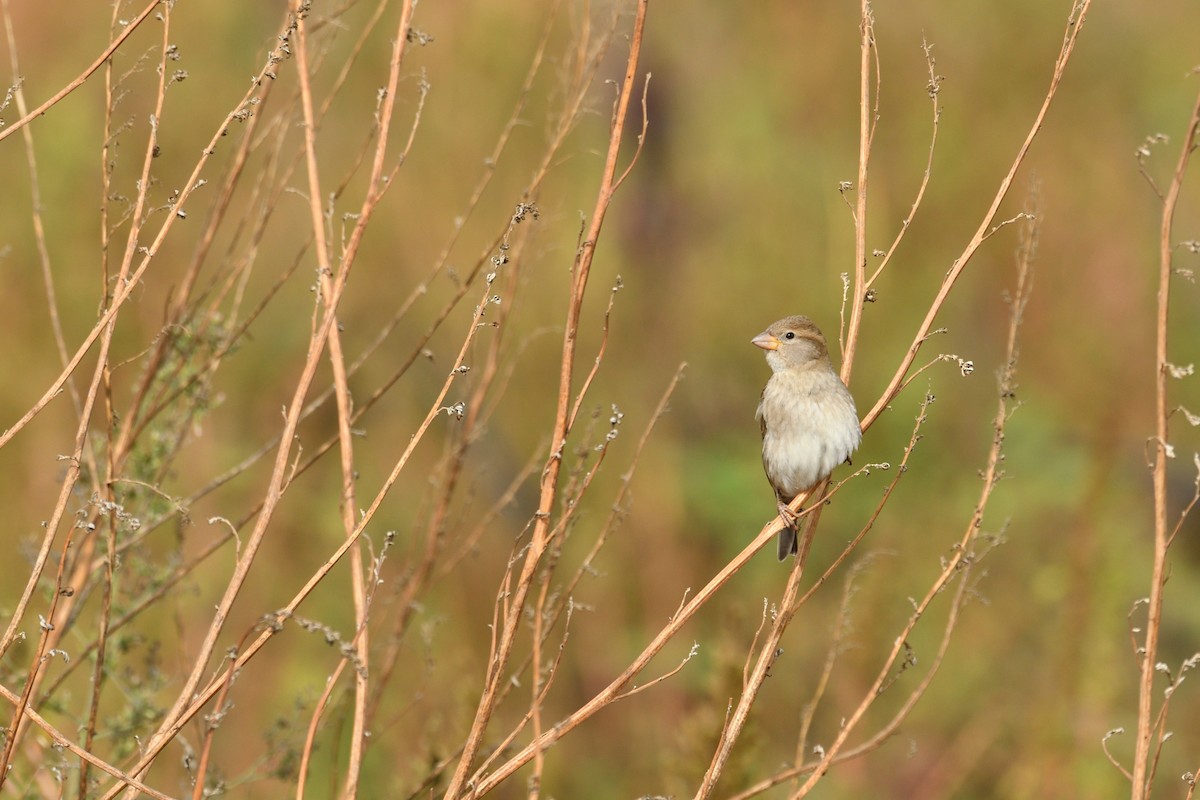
(730, 219)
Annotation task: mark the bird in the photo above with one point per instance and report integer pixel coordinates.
(806, 415)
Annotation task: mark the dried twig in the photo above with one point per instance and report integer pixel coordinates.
(1148, 653)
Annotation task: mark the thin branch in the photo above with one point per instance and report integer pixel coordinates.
(83, 76)
(1149, 652)
(963, 555)
(1075, 24)
(537, 548)
(866, 127)
(378, 183)
(934, 88)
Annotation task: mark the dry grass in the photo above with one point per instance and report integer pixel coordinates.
(202, 546)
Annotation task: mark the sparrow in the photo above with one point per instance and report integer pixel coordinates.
(807, 417)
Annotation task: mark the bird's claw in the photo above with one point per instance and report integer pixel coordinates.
(789, 535)
(789, 517)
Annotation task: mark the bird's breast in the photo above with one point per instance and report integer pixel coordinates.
(810, 426)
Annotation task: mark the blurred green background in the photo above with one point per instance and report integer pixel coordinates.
(730, 219)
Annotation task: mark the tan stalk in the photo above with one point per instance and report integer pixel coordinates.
(1142, 772)
(579, 278)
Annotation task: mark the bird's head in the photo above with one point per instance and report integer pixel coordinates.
(792, 342)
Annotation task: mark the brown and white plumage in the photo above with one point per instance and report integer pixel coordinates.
(807, 416)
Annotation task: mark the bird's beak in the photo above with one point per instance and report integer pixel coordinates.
(766, 341)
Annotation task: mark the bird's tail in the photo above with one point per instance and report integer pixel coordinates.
(787, 543)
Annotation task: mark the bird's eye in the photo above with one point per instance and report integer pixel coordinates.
(790, 335)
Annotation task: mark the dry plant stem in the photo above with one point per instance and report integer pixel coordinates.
(901, 470)
(868, 116)
(98, 672)
(576, 487)
(126, 285)
(60, 740)
(1074, 26)
(1159, 736)
(485, 179)
(217, 215)
(110, 565)
(766, 657)
(1142, 774)
(142, 604)
(210, 729)
(143, 410)
(614, 689)
(202, 697)
(407, 304)
(564, 606)
(1185, 513)
(544, 616)
(962, 556)
(82, 568)
(889, 729)
(320, 400)
(535, 704)
(484, 521)
(48, 632)
(537, 686)
(56, 327)
(539, 538)
(587, 382)
(490, 163)
(356, 51)
(62, 600)
(1006, 383)
(331, 683)
(181, 505)
(840, 628)
(671, 673)
(934, 88)
(582, 72)
(958, 562)
(342, 391)
(82, 78)
(310, 736)
(419, 575)
(377, 184)
(39, 228)
(866, 126)
(131, 541)
(618, 503)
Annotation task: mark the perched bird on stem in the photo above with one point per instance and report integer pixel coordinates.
(807, 416)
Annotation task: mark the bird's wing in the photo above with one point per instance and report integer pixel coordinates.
(762, 419)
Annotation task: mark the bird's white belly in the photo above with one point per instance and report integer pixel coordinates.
(805, 441)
